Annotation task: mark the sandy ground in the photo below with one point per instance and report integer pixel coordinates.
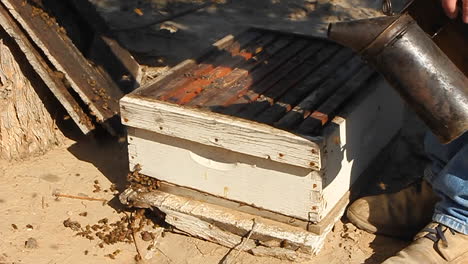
(30, 210)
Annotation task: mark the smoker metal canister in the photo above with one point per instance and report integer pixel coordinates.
(415, 66)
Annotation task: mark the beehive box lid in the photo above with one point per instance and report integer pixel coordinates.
(260, 93)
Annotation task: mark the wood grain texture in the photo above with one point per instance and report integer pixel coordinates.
(285, 85)
(222, 131)
(99, 93)
(325, 111)
(281, 73)
(105, 50)
(50, 78)
(236, 91)
(328, 59)
(226, 226)
(26, 127)
(220, 55)
(218, 69)
(316, 228)
(318, 95)
(240, 72)
(152, 88)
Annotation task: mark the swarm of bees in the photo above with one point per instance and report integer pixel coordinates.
(124, 229)
(140, 181)
(120, 231)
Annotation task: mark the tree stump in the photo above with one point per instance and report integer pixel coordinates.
(26, 126)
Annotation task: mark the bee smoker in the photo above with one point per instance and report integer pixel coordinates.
(415, 66)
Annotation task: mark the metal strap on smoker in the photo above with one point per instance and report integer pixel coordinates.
(395, 29)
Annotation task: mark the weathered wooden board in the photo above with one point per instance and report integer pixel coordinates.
(298, 92)
(316, 228)
(315, 120)
(219, 130)
(239, 73)
(222, 54)
(100, 93)
(106, 50)
(226, 102)
(53, 80)
(197, 30)
(226, 227)
(284, 76)
(219, 69)
(342, 75)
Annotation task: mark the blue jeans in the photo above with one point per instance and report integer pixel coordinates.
(448, 175)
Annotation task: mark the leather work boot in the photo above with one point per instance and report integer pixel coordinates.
(433, 245)
(401, 214)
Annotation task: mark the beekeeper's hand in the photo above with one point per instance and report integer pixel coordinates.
(451, 9)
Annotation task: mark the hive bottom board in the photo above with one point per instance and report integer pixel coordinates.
(229, 227)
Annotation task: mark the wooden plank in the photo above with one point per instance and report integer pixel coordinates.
(219, 130)
(303, 109)
(166, 77)
(297, 93)
(99, 93)
(227, 48)
(226, 98)
(271, 96)
(226, 226)
(320, 117)
(318, 228)
(281, 72)
(240, 72)
(222, 66)
(107, 51)
(53, 80)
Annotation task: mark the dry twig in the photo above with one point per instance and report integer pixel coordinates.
(78, 197)
(241, 246)
(130, 225)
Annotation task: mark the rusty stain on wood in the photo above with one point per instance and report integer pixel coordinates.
(267, 77)
(226, 101)
(212, 70)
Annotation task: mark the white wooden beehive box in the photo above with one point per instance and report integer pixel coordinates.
(281, 123)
